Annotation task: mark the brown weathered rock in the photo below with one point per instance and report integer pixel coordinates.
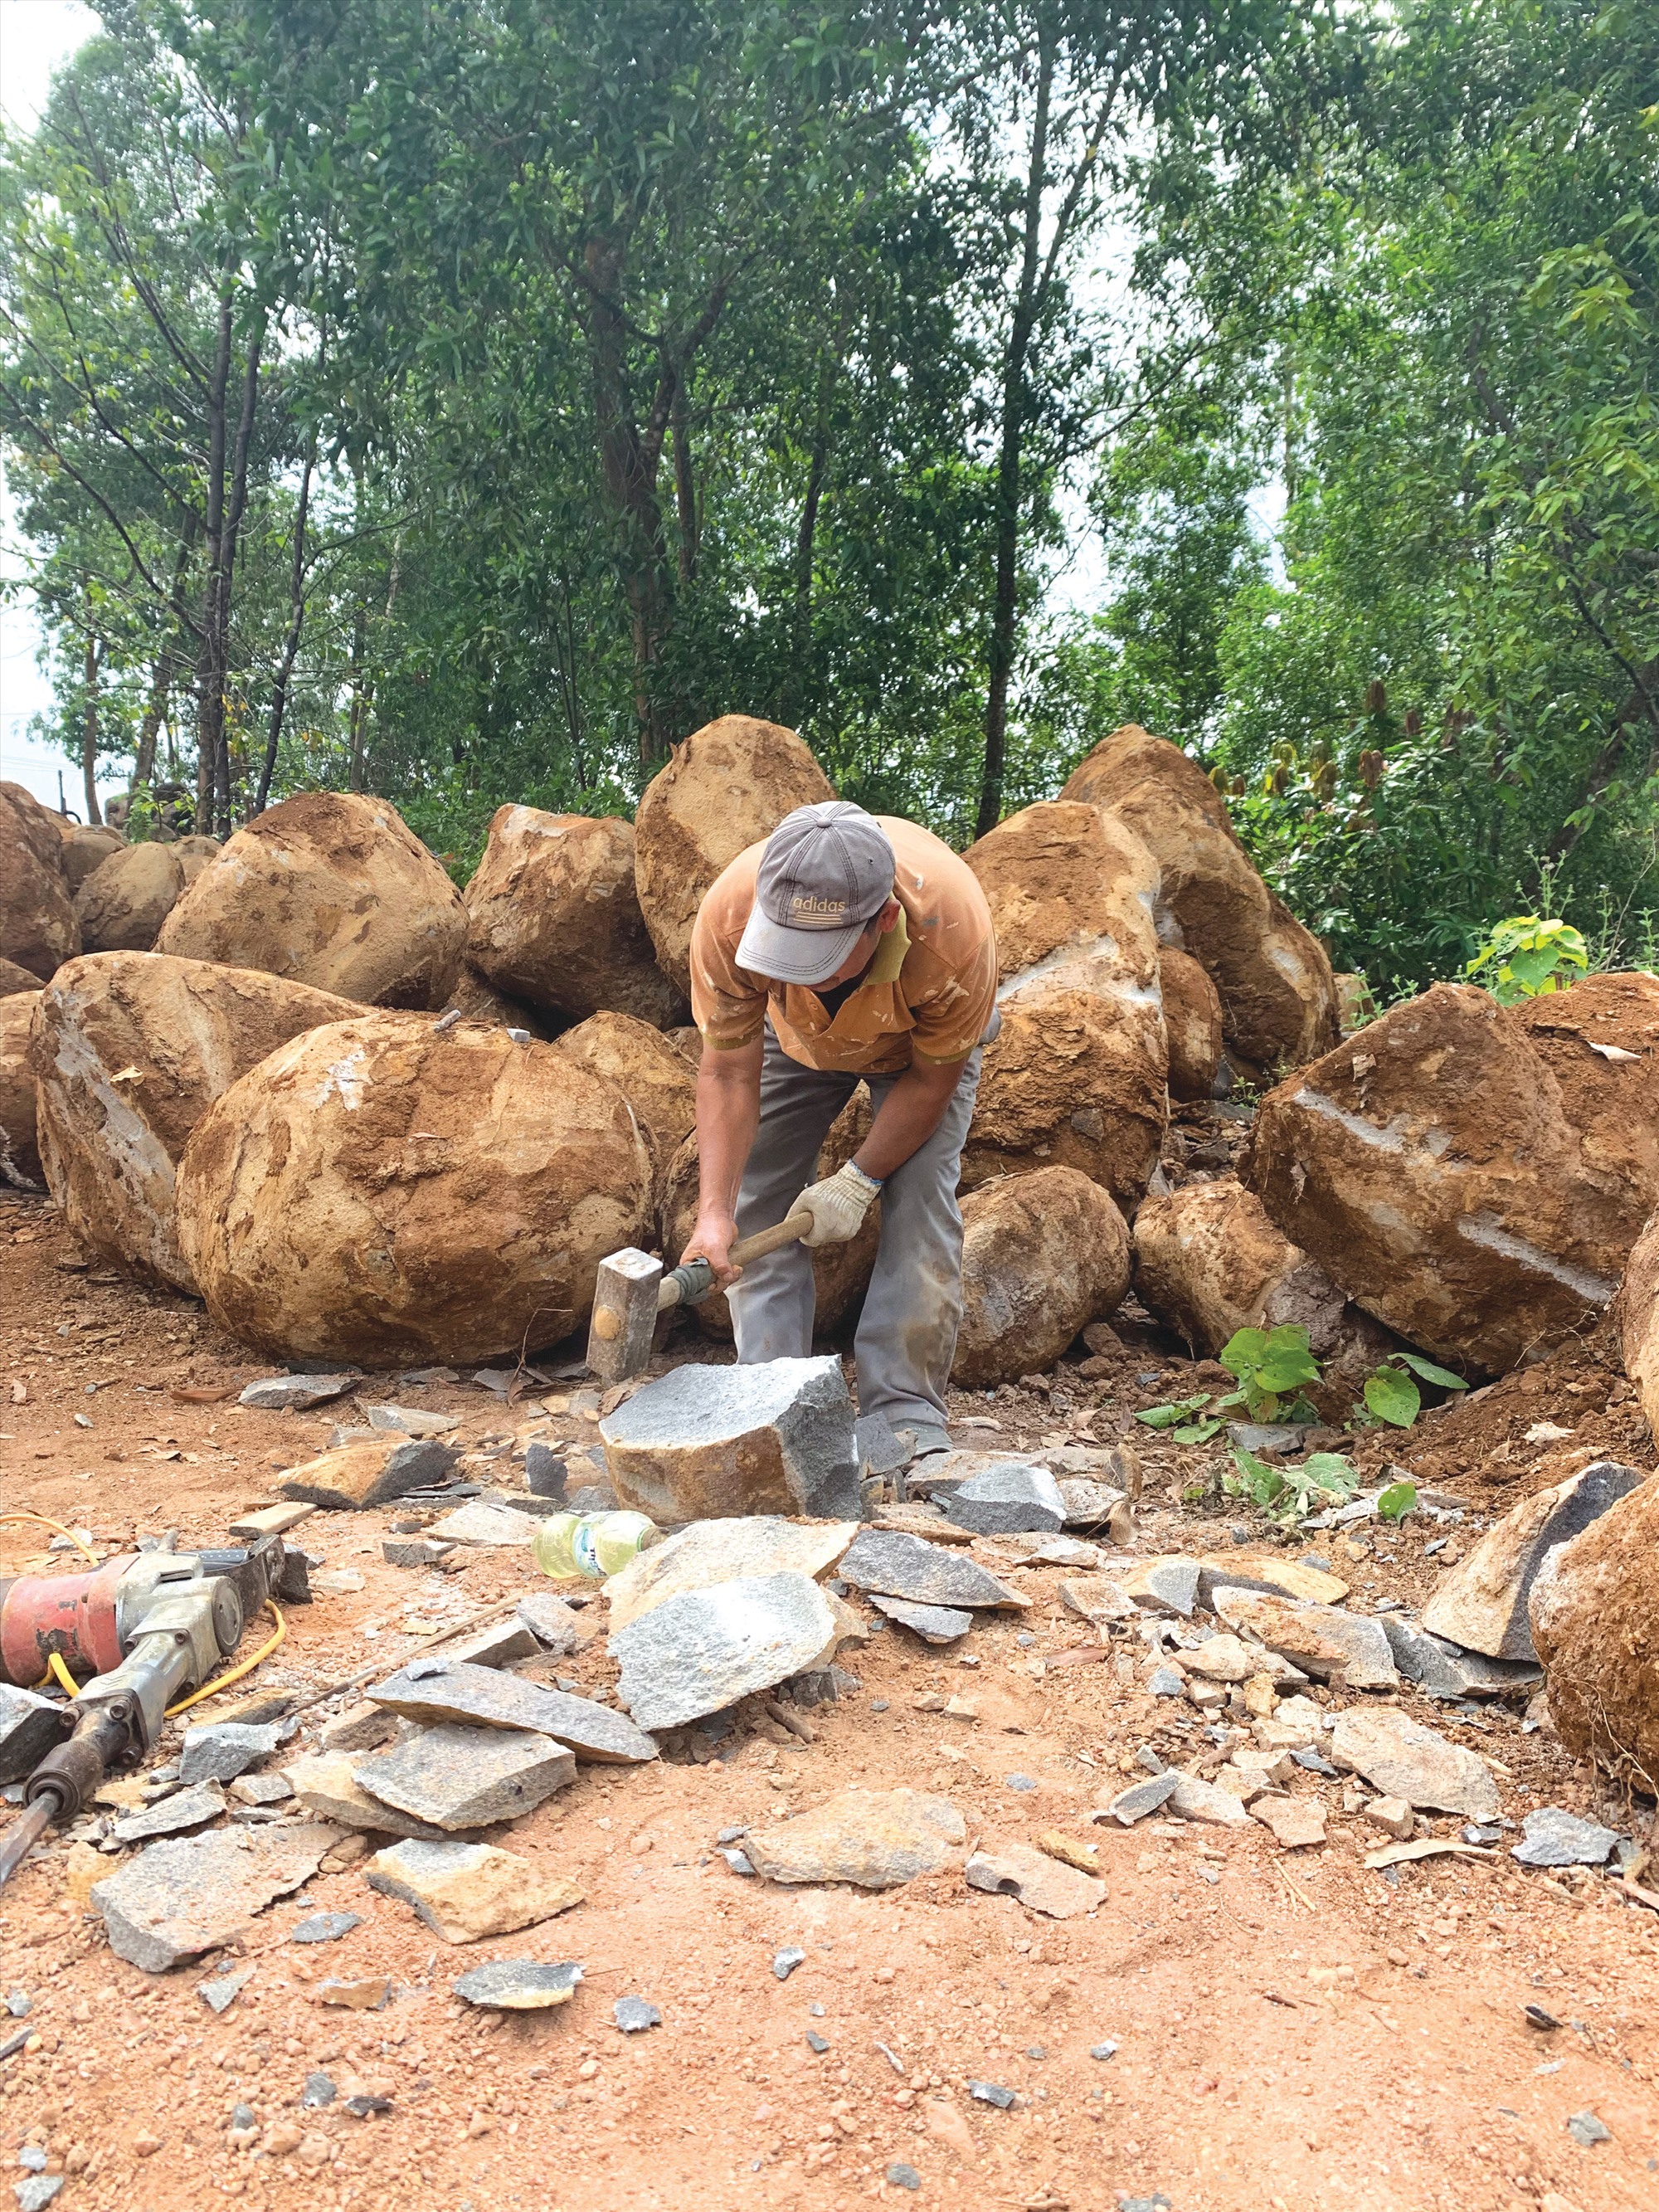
(877, 1838)
(1077, 1076)
(1192, 1023)
(475, 1000)
(13, 979)
(130, 1049)
(1430, 1165)
(1042, 1883)
(649, 1072)
(382, 1194)
(1278, 997)
(466, 1892)
(727, 786)
(1611, 1101)
(1481, 1603)
(122, 904)
(1208, 1262)
(1635, 1314)
(1595, 1618)
(371, 1472)
(194, 852)
(85, 849)
(332, 889)
(1041, 1255)
(552, 917)
(37, 926)
(20, 1154)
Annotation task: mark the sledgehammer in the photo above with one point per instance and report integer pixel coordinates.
(632, 1290)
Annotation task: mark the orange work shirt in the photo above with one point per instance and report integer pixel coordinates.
(929, 992)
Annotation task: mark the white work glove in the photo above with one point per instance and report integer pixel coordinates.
(838, 1205)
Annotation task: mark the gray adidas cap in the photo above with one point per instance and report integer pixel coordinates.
(827, 871)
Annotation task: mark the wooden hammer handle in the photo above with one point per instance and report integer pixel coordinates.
(771, 1240)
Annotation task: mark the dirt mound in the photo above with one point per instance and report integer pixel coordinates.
(130, 1050)
(20, 1156)
(1076, 1076)
(122, 904)
(648, 1070)
(380, 1192)
(38, 926)
(1192, 1023)
(727, 786)
(552, 917)
(1043, 1255)
(1594, 1612)
(85, 849)
(331, 889)
(1278, 997)
(1430, 1165)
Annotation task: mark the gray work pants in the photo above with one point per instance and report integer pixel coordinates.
(907, 1333)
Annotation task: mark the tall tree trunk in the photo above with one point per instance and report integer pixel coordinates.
(685, 495)
(166, 663)
(211, 668)
(235, 508)
(1004, 606)
(89, 732)
(296, 616)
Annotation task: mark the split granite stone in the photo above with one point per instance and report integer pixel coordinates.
(371, 1473)
(218, 1751)
(1394, 1816)
(709, 1443)
(1166, 1683)
(261, 1790)
(466, 1777)
(486, 1526)
(178, 1899)
(1042, 1884)
(1192, 1799)
(1012, 1499)
(29, 1727)
(520, 1984)
(1442, 1669)
(934, 1624)
(411, 1420)
(220, 1991)
(634, 2015)
(325, 1786)
(296, 1394)
(879, 1560)
(1346, 1648)
(360, 1727)
(544, 1471)
(465, 1892)
(1101, 1599)
(709, 1552)
(413, 1552)
(701, 1650)
(36, 2191)
(1296, 1822)
(1555, 1838)
(495, 1645)
(1481, 1603)
(1167, 1585)
(1140, 1798)
(874, 1838)
(558, 1628)
(1092, 1505)
(1224, 1659)
(1267, 1572)
(440, 1689)
(324, 1927)
(880, 1450)
(183, 1809)
(1401, 1758)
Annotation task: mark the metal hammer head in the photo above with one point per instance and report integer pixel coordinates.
(624, 1314)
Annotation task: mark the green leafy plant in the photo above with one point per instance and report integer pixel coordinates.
(1184, 1418)
(1288, 1493)
(1393, 1397)
(1395, 1503)
(1270, 1366)
(1526, 957)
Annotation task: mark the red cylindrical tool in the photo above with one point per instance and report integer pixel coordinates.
(74, 1615)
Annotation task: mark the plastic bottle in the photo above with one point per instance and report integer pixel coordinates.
(592, 1545)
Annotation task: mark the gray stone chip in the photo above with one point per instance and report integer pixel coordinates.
(1555, 1838)
(885, 1561)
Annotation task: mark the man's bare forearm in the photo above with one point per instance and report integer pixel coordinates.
(728, 1115)
(909, 1114)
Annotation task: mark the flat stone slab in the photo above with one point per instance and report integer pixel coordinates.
(1061, 1551)
(465, 1892)
(466, 1777)
(908, 1566)
(1296, 1822)
(520, 1984)
(874, 1838)
(1041, 1883)
(177, 1900)
(1012, 1499)
(1194, 1800)
(1140, 1798)
(29, 1727)
(324, 1927)
(495, 1645)
(475, 1523)
(414, 1552)
(296, 1394)
(325, 1784)
(1401, 1758)
(934, 1624)
(185, 1809)
(922, 1520)
(1167, 1585)
(371, 1473)
(439, 1689)
(1480, 1604)
(1092, 1505)
(412, 1421)
(1270, 1573)
(1441, 1670)
(557, 1628)
(1226, 1659)
(1555, 1838)
(634, 2015)
(701, 1650)
(261, 1790)
(1350, 1649)
(704, 1443)
(1101, 1599)
(218, 1751)
(709, 1552)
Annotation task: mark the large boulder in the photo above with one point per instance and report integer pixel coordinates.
(13, 979)
(85, 848)
(1600, 1043)
(383, 1192)
(727, 786)
(195, 853)
(130, 1049)
(1208, 1262)
(333, 889)
(1043, 1255)
(1278, 996)
(1635, 1314)
(552, 917)
(1076, 1077)
(1595, 1617)
(1191, 1022)
(122, 904)
(1430, 1166)
(649, 1071)
(38, 926)
(19, 1156)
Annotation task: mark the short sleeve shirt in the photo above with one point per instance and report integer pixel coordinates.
(929, 993)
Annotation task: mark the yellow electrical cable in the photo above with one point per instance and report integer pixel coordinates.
(60, 1529)
(224, 1681)
(55, 1670)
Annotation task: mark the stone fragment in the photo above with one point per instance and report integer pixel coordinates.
(1275, 1732)
(413, 1552)
(702, 1442)
(1195, 1800)
(1101, 1599)
(1401, 1758)
(699, 1651)
(1394, 1816)
(1166, 1683)
(634, 2015)
(371, 1993)
(1054, 1552)
(324, 1927)
(1141, 1798)
(1269, 1573)
(36, 2191)
(934, 1624)
(1223, 1659)
(785, 1962)
(183, 1809)
(325, 1786)
(477, 1523)
(875, 1838)
(261, 1790)
(1092, 1505)
(1192, 1021)
(1006, 1499)
(29, 1727)
(359, 1728)
(1296, 1822)
(218, 1751)
(1555, 1838)
(221, 1990)
(177, 1900)
(1595, 1618)
(466, 1892)
(1441, 1670)
(296, 1394)
(1044, 1253)
(1345, 1648)
(519, 1984)
(362, 1475)
(39, 926)
(909, 1567)
(496, 1645)
(1587, 2129)
(411, 1420)
(466, 1777)
(1481, 1603)
(440, 1689)
(993, 2093)
(1060, 1891)
(710, 1553)
(1209, 1262)
(1166, 1585)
